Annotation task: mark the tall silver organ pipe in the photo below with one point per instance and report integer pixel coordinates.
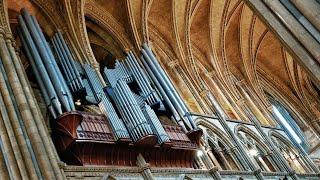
(39, 80)
(155, 124)
(67, 61)
(57, 79)
(167, 85)
(70, 57)
(164, 95)
(53, 61)
(105, 105)
(65, 68)
(142, 79)
(30, 47)
(127, 105)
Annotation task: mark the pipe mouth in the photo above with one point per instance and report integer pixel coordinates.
(148, 140)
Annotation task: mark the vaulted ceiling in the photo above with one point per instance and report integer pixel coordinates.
(203, 36)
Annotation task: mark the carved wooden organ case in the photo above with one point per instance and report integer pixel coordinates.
(137, 112)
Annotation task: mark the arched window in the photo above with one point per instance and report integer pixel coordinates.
(293, 158)
(256, 151)
(288, 123)
(219, 151)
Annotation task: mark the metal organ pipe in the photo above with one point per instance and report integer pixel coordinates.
(142, 79)
(64, 44)
(164, 80)
(166, 88)
(164, 95)
(37, 75)
(54, 76)
(155, 124)
(68, 62)
(53, 61)
(63, 64)
(105, 105)
(139, 120)
(39, 66)
(129, 108)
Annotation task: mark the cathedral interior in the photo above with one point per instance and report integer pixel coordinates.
(160, 89)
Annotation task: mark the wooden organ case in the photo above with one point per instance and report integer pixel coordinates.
(140, 112)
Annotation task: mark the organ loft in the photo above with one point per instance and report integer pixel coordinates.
(160, 89)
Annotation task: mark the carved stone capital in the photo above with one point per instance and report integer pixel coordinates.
(2, 31)
(211, 73)
(204, 93)
(257, 171)
(241, 82)
(240, 101)
(214, 169)
(173, 64)
(8, 37)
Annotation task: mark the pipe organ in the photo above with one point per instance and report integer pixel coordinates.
(141, 112)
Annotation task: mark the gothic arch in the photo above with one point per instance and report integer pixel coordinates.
(290, 152)
(258, 151)
(107, 23)
(218, 146)
(214, 129)
(285, 140)
(254, 135)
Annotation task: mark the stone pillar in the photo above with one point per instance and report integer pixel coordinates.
(36, 113)
(295, 27)
(217, 85)
(175, 66)
(207, 160)
(294, 47)
(310, 9)
(224, 160)
(145, 167)
(247, 163)
(36, 154)
(4, 173)
(215, 173)
(259, 158)
(270, 158)
(213, 158)
(8, 143)
(279, 159)
(231, 153)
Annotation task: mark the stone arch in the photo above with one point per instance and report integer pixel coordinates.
(218, 146)
(258, 151)
(295, 119)
(294, 158)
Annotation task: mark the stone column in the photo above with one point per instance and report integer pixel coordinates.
(310, 9)
(36, 113)
(213, 158)
(224, 160)
(296, 49)
(247, 163)
(217, 85)
(25, 111)
(9, 147)
(232, 154)
(279, 159)
(175, 66)
(259, 157)
(4, 173)
(215, 173)
(145, 167)
(295, 27)
(209, 164)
